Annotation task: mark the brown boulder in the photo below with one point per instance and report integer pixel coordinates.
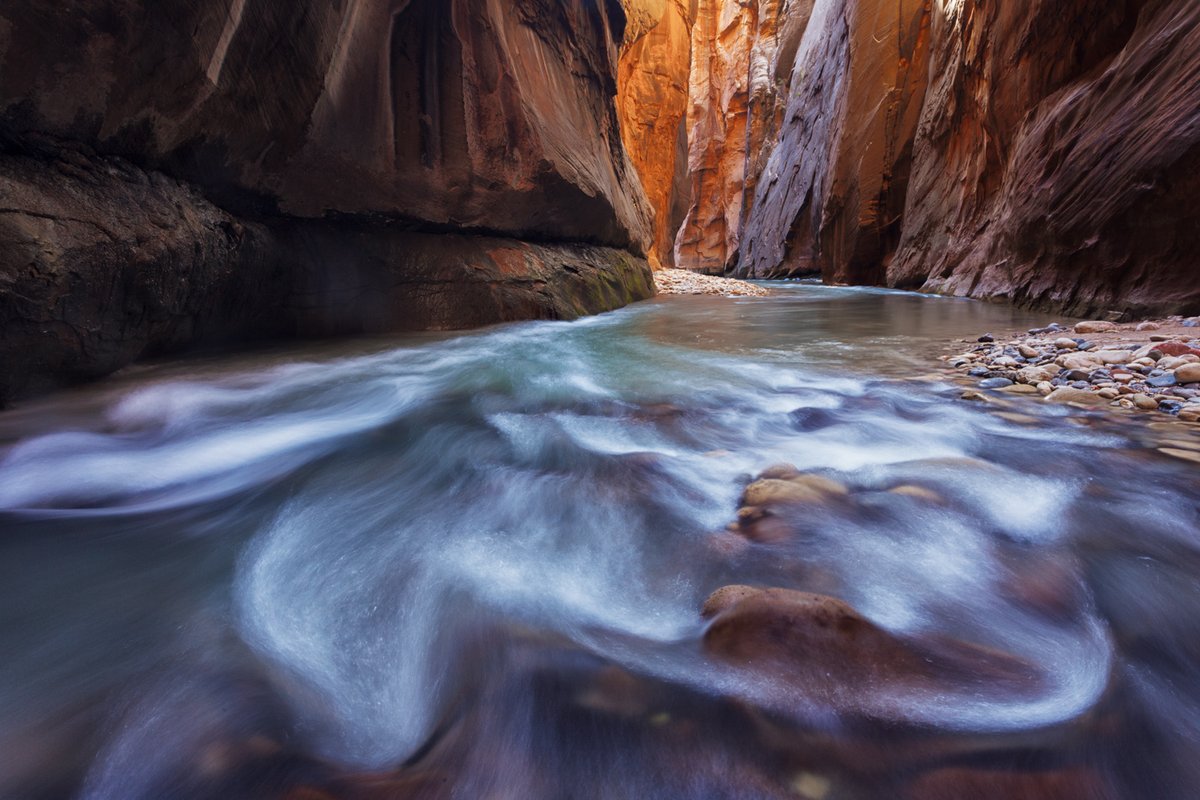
(826, 651)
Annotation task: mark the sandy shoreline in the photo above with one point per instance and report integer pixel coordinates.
(682, 281)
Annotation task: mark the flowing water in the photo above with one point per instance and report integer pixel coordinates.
(472, 566)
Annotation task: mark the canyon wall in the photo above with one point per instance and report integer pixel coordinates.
(833, 189)
(1041, 153)
(718, 94)
(652, 102)
(175, 122)
(1058, 157)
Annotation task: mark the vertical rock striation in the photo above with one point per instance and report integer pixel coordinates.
(1042, 153)
(718, 92)
(1058, 156)
(652, 100)
(832, 192)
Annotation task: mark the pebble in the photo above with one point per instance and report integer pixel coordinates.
(1070, 395)
(1119, 370)
(1188, 373)
(1035, 375)
(1144, 402)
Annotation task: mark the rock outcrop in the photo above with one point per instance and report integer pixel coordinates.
(652, 101)
(198, 139)
(494, 116)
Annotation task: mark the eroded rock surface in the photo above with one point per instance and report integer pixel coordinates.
(179, 172)
(102, 263)
(833, 189)
(494, 116)
(1058, 153)
(1040, 154)
(652, 104)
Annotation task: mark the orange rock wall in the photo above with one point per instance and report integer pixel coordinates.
(652, 100)
(718, 92)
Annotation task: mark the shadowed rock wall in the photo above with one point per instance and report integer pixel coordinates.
(179, 121)
(1058, 157)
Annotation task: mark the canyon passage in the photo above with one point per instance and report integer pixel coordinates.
(599, 399)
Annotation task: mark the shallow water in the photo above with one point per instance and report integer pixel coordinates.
(472, 566)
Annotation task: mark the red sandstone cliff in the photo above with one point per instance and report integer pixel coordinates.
(1042, 153)
(652, 101)
(1058, 157)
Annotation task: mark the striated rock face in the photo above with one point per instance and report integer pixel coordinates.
(718, 94)
(1058, 156)
(743, 51)
(652, 100)
(197, 140)
(495, 116)
(1042, 154)
(831, 196)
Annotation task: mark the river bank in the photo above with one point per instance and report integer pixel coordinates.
(682, 281)
(1149, 365)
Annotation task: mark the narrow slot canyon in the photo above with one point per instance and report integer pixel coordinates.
(599, 399)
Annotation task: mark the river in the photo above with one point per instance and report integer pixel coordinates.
(472, 566)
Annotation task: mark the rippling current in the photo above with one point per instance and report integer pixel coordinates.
(472, 566)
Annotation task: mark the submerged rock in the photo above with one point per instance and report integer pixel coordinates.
(827, 652)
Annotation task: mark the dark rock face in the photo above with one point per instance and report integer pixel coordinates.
(102, 263)
(178, 172)
(496, 116)
(834, 186)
